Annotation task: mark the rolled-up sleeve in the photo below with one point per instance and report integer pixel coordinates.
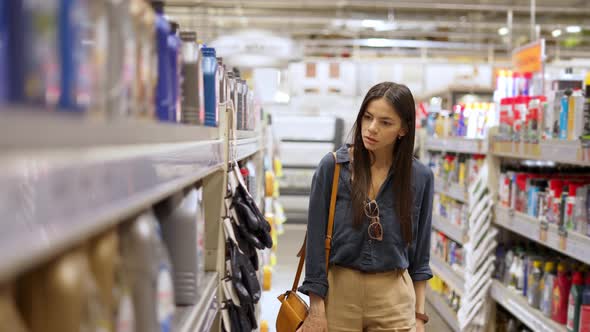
(419, 253)
(316, 280)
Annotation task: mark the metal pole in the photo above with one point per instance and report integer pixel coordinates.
(533, 17)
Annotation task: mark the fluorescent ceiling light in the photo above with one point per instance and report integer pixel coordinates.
(371, 23)
(503, 31)
(556, 33)
(573, 29)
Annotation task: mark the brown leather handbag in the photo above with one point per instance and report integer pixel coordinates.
(294, 310)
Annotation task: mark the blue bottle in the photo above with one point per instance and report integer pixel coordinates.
(34, 67)
(163, 86)
(74, 59)
(174, 44)
(3, 50)
(210, 85)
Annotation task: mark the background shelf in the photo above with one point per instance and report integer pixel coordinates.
(457, 144)
(576, 245)
(443, 309)
(455, 232)
(519, 307)
(452, 190)
(558, 151)
(453, 278)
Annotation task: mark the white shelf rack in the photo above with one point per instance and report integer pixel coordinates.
(457, 144)
(200, 317)
(454, 232)
(574, 245)
(443, 309)
(246, 145)
(554, 150)
(519, 307)
(452, 190)
(452, 277)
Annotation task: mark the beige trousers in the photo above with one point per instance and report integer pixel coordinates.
(358, 301)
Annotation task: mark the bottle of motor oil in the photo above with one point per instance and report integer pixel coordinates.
(62, 296)
(10, 317)
(148, 266)
(178, 219)
(164, 85)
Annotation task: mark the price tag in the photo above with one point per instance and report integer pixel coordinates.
(562, 239)
(543, 228)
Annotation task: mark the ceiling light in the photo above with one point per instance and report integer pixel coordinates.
(371, 23)
(503, 31)
(556, 33)
(573, 29)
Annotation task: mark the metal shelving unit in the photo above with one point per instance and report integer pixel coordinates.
(453, 278)
(247, 144)
(443, 309)
(558, 151)
(452, 190)
(455, 232)
(200, 316)
(457, 144)
(519, 307)
(58, 197)
(571, 244)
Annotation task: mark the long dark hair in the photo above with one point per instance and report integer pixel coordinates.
(400, 98)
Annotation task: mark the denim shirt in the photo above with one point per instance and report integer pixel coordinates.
(352, 248)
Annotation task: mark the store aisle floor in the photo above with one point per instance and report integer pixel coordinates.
(284, 272)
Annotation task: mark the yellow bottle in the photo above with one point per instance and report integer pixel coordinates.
(267, 278)
(62, 296)
(10, 318)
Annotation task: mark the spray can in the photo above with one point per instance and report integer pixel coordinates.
(563, 115)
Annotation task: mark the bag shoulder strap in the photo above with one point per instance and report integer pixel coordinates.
(329, 229)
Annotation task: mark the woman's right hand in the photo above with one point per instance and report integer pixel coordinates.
(315, 322)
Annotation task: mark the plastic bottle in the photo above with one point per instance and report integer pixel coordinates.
(9, 315)
(546, 305)
(191, 86)
(569, 221)
(210, 85)
(586, 131)
(149, 62)
(563, 115)
(76, 87)
(575, 302)
(580, 212)
(585, 309)
(561, 290)
(148, 266)
(576, 115)
(33, 52)
(164, 85)
(103, 256)
(534, 293)
(174, 45)
(178, 218)
(62, 296)
(4, 51)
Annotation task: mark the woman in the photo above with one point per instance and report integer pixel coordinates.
(379, 261)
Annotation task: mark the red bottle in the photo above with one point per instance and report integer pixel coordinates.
(585, 310)
(561, 291)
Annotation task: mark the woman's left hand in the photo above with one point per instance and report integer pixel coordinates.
(420, 326)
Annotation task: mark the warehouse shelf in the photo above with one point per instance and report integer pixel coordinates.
(453, 278)
(200, 317)
(558, 151)
(443, 309)
(455, 232)
(519, 307)
(452, 190)
(55, 198)
(572, 244)
(457, 144)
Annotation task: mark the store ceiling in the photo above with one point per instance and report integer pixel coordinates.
(340, 27)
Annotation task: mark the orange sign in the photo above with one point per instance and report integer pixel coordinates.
(529, 58)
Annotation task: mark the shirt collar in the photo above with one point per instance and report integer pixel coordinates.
(342, 155)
